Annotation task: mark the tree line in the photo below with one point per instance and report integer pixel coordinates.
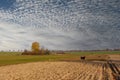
(36, 50)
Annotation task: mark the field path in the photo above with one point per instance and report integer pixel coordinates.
(114, 57)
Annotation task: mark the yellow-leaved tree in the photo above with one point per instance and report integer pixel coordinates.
(35, 47)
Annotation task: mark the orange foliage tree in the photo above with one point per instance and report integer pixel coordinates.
(35, 47)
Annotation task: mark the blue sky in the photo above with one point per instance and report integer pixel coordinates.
(7, 4)
(60, 24)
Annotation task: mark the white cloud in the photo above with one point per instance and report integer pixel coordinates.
(75, 24)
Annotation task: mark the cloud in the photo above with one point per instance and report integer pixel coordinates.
(61, 24)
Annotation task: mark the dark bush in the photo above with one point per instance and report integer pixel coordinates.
(41, 52)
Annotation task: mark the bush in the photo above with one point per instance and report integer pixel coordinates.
(47, 52)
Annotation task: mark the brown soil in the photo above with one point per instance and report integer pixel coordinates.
(54, 71)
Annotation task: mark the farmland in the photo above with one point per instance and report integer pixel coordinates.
(57, 71)
(51, 71)
(97, 66)
(17, 59)
(7, 58)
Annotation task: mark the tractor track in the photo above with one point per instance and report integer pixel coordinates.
(104, 72)
(114, 69)
(110, 69)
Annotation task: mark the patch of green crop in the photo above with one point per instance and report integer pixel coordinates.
(17, 59)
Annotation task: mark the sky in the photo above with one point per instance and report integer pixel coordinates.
(60, 24)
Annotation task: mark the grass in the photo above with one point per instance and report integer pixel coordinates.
(17, 59)
(94, 52)
(9, 58)
(10, 53)
(95, 55)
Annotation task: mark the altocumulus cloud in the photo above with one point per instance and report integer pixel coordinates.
(60, 24)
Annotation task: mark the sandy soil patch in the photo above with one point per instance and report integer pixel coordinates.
(52, 71)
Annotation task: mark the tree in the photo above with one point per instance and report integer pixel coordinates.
(42, 51)
(47, 52)
(25, 52)
(35, 47)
